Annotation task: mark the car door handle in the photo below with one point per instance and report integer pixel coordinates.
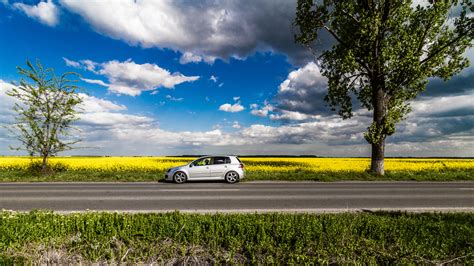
(207, 167)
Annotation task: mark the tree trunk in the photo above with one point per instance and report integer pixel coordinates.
(378, 148)
(44, 165)
(377, 161)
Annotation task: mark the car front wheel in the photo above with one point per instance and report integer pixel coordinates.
(179, 177)
(232, 177)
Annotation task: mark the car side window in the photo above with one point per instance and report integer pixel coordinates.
(227, 160)
(219, 160)
(202, 162)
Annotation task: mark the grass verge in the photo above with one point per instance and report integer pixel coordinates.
(131, 176)
(45, 238)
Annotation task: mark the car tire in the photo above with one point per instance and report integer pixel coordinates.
(232, 177)
(180, 177)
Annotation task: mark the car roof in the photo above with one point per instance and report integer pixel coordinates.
(207, 156)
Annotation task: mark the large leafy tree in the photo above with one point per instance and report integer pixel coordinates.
(383, 54)
(46, 107)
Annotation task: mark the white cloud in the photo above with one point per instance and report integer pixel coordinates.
(115, 119)
(236, 125)
(213, 78)
(171, 98)
(89, 65)
(290, 115)
(231, 108)
(72, 63)
(85, 64)
(443, 104)
(45, 12)
(6, 102)
(236, 98)
(95, 81)
(91, 104)
(188, 57)
(262, 112)
(201, 31)
(307, 76)
(131, 78)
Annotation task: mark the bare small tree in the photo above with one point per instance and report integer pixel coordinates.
(46, 108)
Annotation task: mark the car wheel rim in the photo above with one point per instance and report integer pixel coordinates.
(179, 177)
(231, 177)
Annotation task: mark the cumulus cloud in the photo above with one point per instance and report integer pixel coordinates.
(131, 78)
(231, 108)
(236, 125)
(45, 12)
(110, 130)
(299, 97)
(303, 91)
(263, 111)
(6, 102)
(444, 106)
(292, 116)
(201, 30)
(112, 119)
(91, 104)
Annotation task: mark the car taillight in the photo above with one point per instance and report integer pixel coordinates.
(241, 166)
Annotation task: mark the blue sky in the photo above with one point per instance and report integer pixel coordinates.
(169, 78)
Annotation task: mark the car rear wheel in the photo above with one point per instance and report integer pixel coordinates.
(232, 177)
(179, 177)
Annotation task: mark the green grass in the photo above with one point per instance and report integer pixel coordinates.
(232, 238)
(447, 175)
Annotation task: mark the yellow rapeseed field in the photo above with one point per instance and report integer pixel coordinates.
(160, 164)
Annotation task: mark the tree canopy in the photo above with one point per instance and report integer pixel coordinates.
(46, 107)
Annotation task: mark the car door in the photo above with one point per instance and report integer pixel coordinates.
(218, 167)
(200, 168)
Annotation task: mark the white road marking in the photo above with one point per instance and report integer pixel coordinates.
(198, 190)
(236, 197)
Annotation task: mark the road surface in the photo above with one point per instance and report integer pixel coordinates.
(242, 197)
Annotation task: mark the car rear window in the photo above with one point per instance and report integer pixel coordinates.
(220, 160)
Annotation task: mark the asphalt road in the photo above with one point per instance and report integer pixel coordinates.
(242, 197)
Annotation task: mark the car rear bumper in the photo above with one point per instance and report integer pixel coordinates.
(241, 173)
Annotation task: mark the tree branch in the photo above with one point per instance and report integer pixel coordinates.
(446, 45)
(350, 16)
(346, 45)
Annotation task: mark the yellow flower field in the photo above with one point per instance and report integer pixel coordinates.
(160, 164)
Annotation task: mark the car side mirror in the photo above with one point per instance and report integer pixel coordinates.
(191, 165)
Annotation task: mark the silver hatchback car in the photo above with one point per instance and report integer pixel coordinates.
(228, 168)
